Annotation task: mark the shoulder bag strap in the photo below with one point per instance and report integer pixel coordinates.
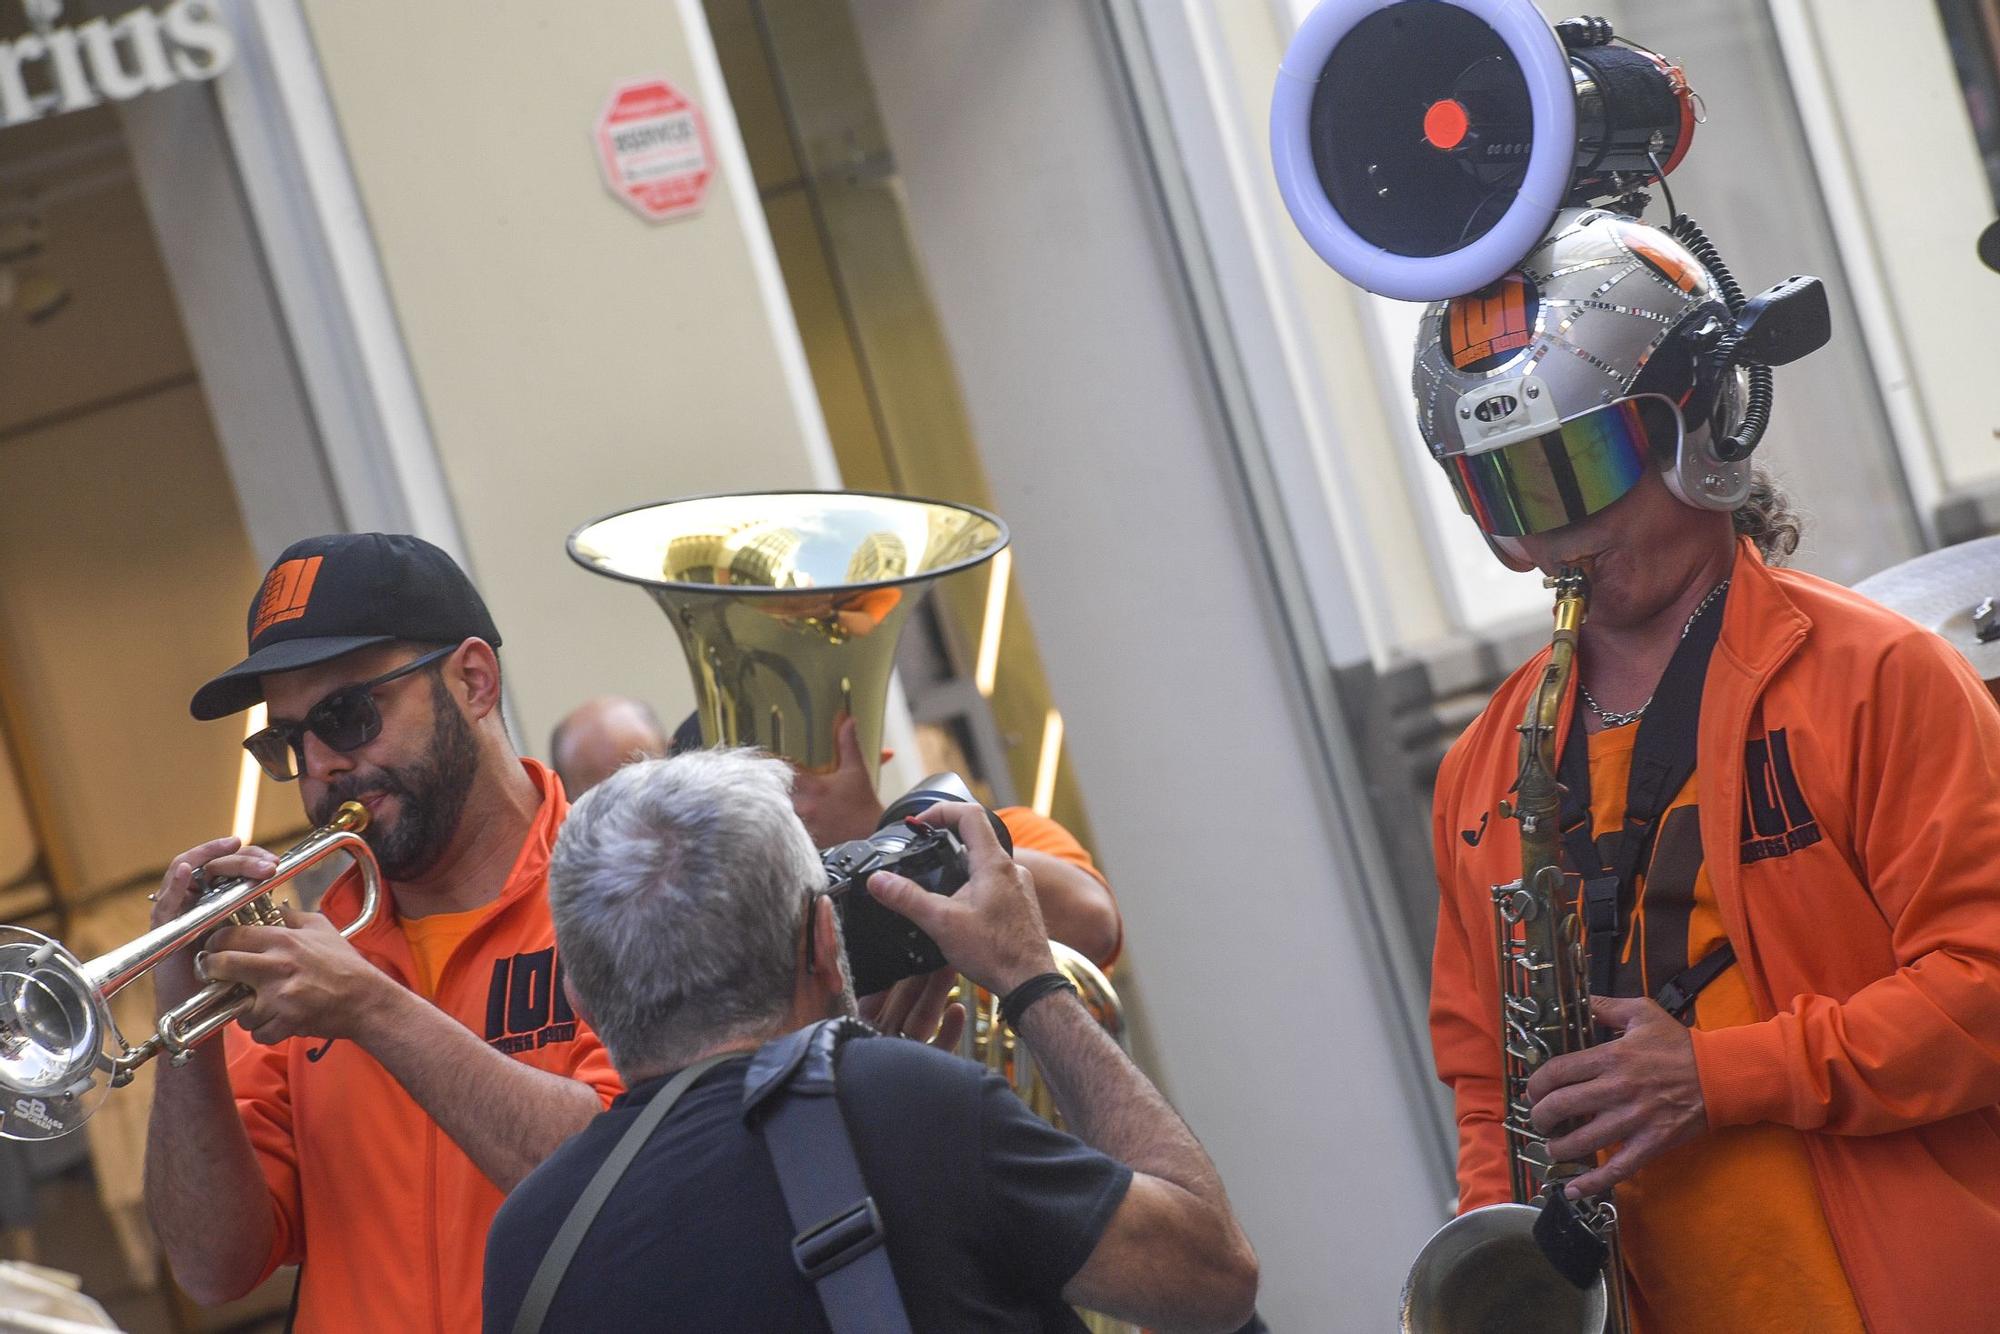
(555, 1261)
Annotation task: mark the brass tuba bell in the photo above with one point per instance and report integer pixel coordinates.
(789, 604)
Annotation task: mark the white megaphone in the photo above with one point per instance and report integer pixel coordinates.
(1424, 147)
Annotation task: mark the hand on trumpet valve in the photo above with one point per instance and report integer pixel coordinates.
(307, 979)
(1640, 1093)
(187, 877)
(991, 929)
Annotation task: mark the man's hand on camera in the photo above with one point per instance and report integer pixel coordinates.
(920, 1008)
(991, 929)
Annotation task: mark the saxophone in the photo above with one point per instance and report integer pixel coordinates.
(1486, 1270)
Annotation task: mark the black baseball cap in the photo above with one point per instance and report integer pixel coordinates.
(331, 595)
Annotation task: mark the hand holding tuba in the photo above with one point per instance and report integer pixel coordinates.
(60, 1051)
(788, 606)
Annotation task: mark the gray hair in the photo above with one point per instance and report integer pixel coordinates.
(679, 890)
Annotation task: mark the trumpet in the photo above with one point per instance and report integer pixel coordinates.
(61, 1051)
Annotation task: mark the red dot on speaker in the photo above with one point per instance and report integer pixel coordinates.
(1445, 124)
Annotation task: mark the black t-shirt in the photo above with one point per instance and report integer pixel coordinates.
(989, 1210)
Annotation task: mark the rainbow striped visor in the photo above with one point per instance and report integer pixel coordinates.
(1568, 472)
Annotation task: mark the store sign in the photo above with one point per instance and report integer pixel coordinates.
(653, 147)
(56, 69)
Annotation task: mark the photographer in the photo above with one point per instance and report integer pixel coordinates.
(690, 916)
(600, 736)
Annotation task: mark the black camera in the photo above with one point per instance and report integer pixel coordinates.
(883, 946)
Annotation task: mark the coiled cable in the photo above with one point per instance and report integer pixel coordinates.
(1757, 407)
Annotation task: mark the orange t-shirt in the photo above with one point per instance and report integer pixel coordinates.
(1726, 1231)
(433, 938)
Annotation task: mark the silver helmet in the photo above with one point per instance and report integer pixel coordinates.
(1548, 395)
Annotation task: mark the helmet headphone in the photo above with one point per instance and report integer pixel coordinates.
(1713, 407)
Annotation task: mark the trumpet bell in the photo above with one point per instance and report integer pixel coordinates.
(57, 1035)
(788, 604)
(52, 1032)
(1484, 1273)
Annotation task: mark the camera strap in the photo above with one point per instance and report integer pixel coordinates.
(1663, 758)
(788, 1096)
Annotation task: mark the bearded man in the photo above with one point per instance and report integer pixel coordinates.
(399, 1084)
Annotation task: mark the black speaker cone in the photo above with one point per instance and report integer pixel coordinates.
(1421, 128)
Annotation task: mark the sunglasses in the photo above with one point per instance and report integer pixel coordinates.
(1569, 472)
(345, 720)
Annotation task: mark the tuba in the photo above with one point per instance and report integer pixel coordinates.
(788, 606)
(1487, 1270)
(57, 1036)
(993, 1044)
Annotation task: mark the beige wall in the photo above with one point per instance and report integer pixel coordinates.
(18, 845)
(572, 358)
(1266, 1021)
(122, 587)
(1354, 404)
(124, 565)
(1901, 138)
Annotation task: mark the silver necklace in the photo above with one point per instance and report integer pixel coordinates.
(1631, 716)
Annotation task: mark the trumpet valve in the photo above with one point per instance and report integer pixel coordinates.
(265, 910)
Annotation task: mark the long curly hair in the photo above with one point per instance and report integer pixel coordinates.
(1768, 518)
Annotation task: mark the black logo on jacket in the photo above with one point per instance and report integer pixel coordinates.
(525, 1005)
(1776, 821)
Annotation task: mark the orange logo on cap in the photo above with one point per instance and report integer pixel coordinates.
(1490, 323)
(287, 589)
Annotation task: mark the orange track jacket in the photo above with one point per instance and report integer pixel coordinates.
(1861, 888)
(385, 1212)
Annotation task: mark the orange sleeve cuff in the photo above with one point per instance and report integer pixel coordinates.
(1742, 1073)
(1038, 833)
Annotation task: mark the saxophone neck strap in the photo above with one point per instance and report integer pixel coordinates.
(1663, 759)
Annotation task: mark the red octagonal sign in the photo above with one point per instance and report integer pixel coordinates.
(653, 146)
